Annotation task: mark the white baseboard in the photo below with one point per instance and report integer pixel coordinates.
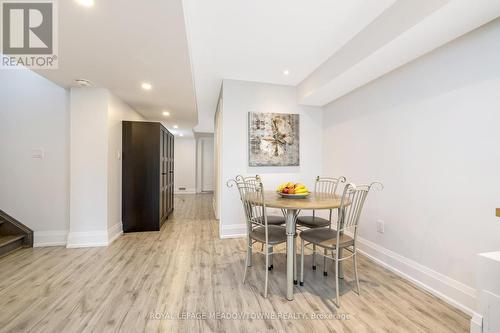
(451, 291)
(476, 324)
(77, 239)
(233, 231)
(87, 239)
(114, 232)
(50, 238)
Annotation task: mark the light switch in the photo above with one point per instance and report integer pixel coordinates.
(37, 153)
(119, 155)
(380, 226)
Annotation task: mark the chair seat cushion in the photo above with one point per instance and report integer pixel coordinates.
(276, 234)
(312, 222)
(326, 237)
(273, 220)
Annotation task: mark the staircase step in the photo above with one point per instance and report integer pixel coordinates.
(6, 240)
(9, 243)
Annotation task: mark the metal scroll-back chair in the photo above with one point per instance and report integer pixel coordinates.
(255, 181)
(271, 219)
(326, 186)
(351, 206)
(258, 228)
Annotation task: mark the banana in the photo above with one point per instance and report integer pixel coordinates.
(294, 188)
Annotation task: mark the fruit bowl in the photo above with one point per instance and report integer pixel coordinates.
(295, 196)
(293, 191)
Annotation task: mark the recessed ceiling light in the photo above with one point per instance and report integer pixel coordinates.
(86, 3)
(146, 86)
(181, 134)
(286, 72)
(176, 127)
(166, 113)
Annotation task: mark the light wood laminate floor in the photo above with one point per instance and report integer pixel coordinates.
(157, 282)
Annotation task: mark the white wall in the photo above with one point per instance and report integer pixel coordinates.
(240, 98)
(118, 111)
(204, 148)
(217, 154)
(89, 167)
(185, 165)
(429, 132)
(96, 144)
(34, 114)
(207, 165)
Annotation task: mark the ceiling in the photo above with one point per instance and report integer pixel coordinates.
(119, 45)
(330, 47)
(185, 48)
(257, 40)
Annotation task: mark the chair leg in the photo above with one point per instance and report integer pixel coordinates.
(354, 258)
(301, 262)
(337, 278)
(270, 258)
(325, 273)
(267, 271)
(250, 252)
(314, 257)
(248, 260)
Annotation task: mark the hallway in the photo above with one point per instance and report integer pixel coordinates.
(185, 279)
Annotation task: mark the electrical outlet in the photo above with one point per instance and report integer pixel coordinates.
(380, 226)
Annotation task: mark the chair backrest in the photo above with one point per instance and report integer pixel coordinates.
(327, 184)
(253, 180)
(252, 198)
(351, 206)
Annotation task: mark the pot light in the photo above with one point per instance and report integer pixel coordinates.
(146, 86)
(176, 127)
(181, 134)
(286, 72)
(86, 3)
(166, 113)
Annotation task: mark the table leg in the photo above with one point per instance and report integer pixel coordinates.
(290, 254)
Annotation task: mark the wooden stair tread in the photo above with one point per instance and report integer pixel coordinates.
(7, 239)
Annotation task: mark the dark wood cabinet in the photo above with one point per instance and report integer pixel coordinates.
(147, 175)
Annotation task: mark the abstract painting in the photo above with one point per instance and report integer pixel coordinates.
(274, 139)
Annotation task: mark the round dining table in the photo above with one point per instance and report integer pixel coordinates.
(291, 208)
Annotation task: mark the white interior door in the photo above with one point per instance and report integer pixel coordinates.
(207, 165)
